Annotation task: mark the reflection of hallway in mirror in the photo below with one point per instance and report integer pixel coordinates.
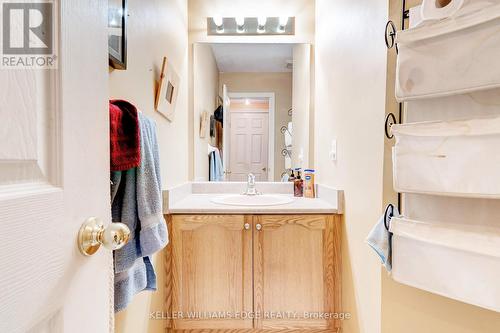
(249, 138)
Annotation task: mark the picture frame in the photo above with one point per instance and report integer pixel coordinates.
(117, 34)
(168, 89)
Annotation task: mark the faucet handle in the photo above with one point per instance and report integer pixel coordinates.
(251, 178)
(251, 185)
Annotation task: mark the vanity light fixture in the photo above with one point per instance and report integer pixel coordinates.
(240, 24)
(250, 26)
(282, 25)
(219, 23)
(261, 24)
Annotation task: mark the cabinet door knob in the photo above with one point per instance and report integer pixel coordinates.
(247, 226)
(258, 226)
(93, 234)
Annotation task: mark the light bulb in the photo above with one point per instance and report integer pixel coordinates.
(218, 21)
(261, 24)
(240, 20)
(283, 20)
(247, 101)
(240, 24)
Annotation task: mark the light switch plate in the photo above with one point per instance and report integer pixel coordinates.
(333, 151)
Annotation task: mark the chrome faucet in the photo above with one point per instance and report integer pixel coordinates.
(251, 185)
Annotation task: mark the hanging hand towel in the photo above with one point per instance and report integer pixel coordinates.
(216, 169)
(124, 135)
(137, 201)
(379, 238)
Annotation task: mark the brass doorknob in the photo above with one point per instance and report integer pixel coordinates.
(93, 234)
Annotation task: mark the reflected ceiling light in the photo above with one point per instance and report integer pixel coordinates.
(283, 21)
(219, 22)
(261, 26)
(247, 101)
(240, 24)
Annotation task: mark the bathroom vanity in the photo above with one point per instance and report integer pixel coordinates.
(243, 268)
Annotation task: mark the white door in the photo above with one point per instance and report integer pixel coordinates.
(54, 174)
(249, 145)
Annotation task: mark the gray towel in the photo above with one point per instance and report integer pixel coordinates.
(137, 201)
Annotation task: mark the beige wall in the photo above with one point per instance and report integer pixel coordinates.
(205, 94)
(278, 83)
(156, 28)
(350, 101)
(407, 309)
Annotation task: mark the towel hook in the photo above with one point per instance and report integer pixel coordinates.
(388, 215)
(390, 35)
(286, 152)
(284, 129)
(390, 120)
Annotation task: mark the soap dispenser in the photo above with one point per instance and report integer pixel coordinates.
(298, 184)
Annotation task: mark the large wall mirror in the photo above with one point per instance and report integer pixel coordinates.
(251, 107)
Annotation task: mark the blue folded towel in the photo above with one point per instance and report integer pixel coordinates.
(380, 240)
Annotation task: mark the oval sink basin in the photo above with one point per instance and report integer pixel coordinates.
(256, 200)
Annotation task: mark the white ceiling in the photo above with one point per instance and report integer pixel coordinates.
(253, 57)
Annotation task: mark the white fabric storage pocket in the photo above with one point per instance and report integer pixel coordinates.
(450, 56)
(452, 210)
(456, 158)
(454, 261)
(467, 106)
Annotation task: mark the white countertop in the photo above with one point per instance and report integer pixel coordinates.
(195, 198)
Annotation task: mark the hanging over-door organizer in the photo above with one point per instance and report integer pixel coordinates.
(451, 56)
(446, 159)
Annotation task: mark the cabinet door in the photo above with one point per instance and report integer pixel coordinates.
(211, 272)
(297, 272)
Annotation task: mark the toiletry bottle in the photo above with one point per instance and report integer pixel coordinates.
(298, 185)
(292, 177)
(309, 188)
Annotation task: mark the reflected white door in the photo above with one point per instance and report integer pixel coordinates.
(54, 173)
(249, 145)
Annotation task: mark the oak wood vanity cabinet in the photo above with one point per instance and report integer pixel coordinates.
(245, 273)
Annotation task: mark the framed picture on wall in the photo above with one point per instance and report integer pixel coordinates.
(117, 33)
(168, 89)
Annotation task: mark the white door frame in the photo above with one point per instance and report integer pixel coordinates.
(272, 105)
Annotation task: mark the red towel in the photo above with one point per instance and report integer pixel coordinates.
(124, 135)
